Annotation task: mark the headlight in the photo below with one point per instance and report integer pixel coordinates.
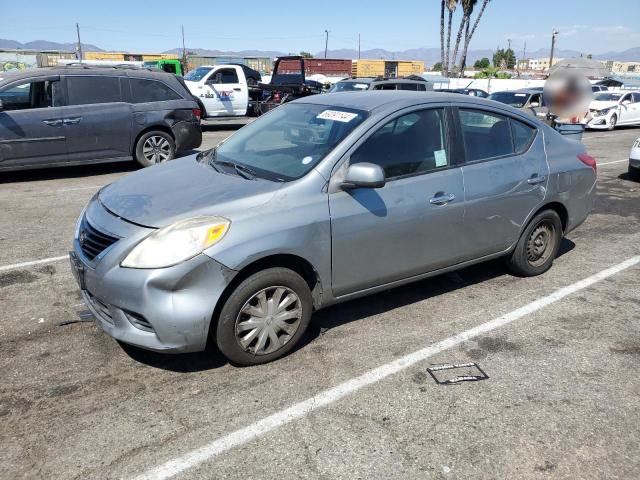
(604, 111)
(176, 243)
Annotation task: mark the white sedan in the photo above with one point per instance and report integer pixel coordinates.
(634, 161)
(609, 109)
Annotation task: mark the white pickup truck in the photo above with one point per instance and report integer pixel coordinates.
(225, 90)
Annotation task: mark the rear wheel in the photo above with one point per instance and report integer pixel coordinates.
(613, 121)
(538, 245)
(155, 147)
(264, 317)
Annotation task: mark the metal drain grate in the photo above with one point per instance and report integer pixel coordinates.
(466, 372)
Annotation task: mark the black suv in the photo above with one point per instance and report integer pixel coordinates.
(78, 114)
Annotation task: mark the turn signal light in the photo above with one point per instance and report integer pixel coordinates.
(196, 113)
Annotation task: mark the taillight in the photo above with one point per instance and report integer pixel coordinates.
(588, 160)
(196, 112)
(276, 97)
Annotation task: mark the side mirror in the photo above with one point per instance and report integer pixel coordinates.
(534, 104)
(626, 102)
(364, 175)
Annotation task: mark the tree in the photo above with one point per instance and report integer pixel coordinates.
(441, 37)
(306, 54)
(482, 63)
(467, 10)
(469, 35)
(437, 67)
(451, 7)
(504, 59)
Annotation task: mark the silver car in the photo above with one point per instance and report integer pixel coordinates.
(323, 200)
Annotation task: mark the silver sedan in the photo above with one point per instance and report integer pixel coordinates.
(323, 200)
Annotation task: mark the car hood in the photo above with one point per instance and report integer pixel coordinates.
(163, 194)
(601, 104)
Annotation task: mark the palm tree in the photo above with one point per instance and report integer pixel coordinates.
(468, 35)
(451, 6)
(442, 36)
(467, 10)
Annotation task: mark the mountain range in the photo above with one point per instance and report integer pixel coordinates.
(428, 55)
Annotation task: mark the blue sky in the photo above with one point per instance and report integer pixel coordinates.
(589, 26)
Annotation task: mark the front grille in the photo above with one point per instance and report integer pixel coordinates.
(92, 241)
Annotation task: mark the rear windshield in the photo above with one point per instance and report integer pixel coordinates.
(197, 74)
(289, 141)
(514, 99)
(348, 86)
(607, 97)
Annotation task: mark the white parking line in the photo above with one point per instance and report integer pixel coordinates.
(611, 163)
(13, 266)
(327, 397)
(78, 188)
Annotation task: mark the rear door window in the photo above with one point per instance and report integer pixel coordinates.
(407, 86)
(523, 135)
(486, 135)
(143, 90)
(87, 90)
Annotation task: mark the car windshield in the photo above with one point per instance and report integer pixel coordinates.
(197, 74)
(607, 97)
(515, 99)
(150, 64)
(289, 141)
(348, 86)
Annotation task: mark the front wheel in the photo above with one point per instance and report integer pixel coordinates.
(538, 245)
(634, 173)
(155, 147)
(264, 317)
(612, 122)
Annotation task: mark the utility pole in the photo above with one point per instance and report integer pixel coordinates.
(184, 50)
(79, 48)
(358, 46)
(326, 43)
(554, 32)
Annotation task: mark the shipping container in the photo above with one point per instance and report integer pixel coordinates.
(50, 59)
(386, 68)
(113, 56)
(324, 66)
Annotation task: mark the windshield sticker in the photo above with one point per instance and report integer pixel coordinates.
(337, 116)
(307, 160)
(441, 158)
(521, 94)
(361, 86)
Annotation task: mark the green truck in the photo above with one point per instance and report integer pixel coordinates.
(170, 65)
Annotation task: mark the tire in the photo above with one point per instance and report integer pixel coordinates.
(248, 338)
(612, 122)
(538, 245)
(162, 145)
(634, 173)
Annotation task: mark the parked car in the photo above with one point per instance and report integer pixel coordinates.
(529, 100)
(634, 161)
(78, 115)
(360, 84)
(610, 109)
(474, 92)
(599, 88)
(326, 199)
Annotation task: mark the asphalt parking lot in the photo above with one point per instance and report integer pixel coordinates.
(562, 399)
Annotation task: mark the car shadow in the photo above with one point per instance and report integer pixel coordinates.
(341, 314)
(208, 359)
(77, 171)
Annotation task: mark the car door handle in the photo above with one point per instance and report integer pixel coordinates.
(442, 199)
(536, 179)
(72, 121)
(53, 123)
(238, 89)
